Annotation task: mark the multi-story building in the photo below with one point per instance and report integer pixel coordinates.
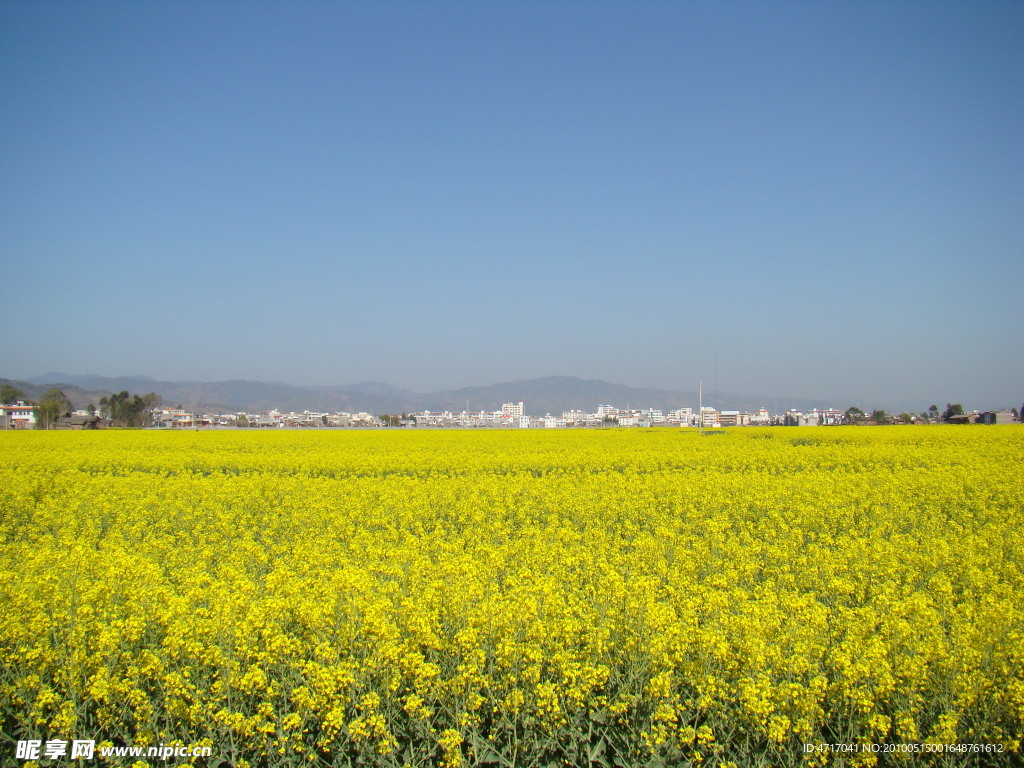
(681, 416)
(828, 416)
(513, 410)
(762, 417)
(816, 417)
(18, 416)
(734, 418)
(729, 418)
(709, 417)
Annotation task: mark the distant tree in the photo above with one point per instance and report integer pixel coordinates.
(115, 409)
(151, 403)
(952, 409)
(91, 408)
(933, 412)
(53, 405)
(241, 421)
(126, 410)
(906, 418)
(853, 414)
(10, 394)
(880, 417)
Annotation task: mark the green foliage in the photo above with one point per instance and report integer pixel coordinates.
(616, 598)
(52, 406)
(853, 415)
(129, 411)
(10, 394)
(804, 441)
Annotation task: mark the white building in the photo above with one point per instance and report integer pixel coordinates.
(828, 416)
(733, 419)
(761, 417)
(681, 416)
(513, 410)
(18, 416)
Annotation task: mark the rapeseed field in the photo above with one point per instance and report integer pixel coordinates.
(754, 597)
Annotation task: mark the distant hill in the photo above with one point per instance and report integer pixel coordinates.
(79, 397)
(551, 394)
(92, 383)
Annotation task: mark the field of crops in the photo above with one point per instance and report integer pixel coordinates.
(517, 598)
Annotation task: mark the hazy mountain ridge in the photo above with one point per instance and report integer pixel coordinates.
(550, 394)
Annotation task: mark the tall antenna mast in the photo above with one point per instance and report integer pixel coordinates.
(700, 407)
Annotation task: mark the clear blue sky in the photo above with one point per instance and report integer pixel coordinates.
(809, 199)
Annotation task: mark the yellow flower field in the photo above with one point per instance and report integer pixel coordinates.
(518, 598)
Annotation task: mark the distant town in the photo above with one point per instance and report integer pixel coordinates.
(54, 412)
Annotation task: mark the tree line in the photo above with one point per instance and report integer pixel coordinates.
(122, 410)
(855, 415)
(119, 410)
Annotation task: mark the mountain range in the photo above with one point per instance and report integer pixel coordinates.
(551, 394)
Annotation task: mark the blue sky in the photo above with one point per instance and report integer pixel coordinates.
(808, 199)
